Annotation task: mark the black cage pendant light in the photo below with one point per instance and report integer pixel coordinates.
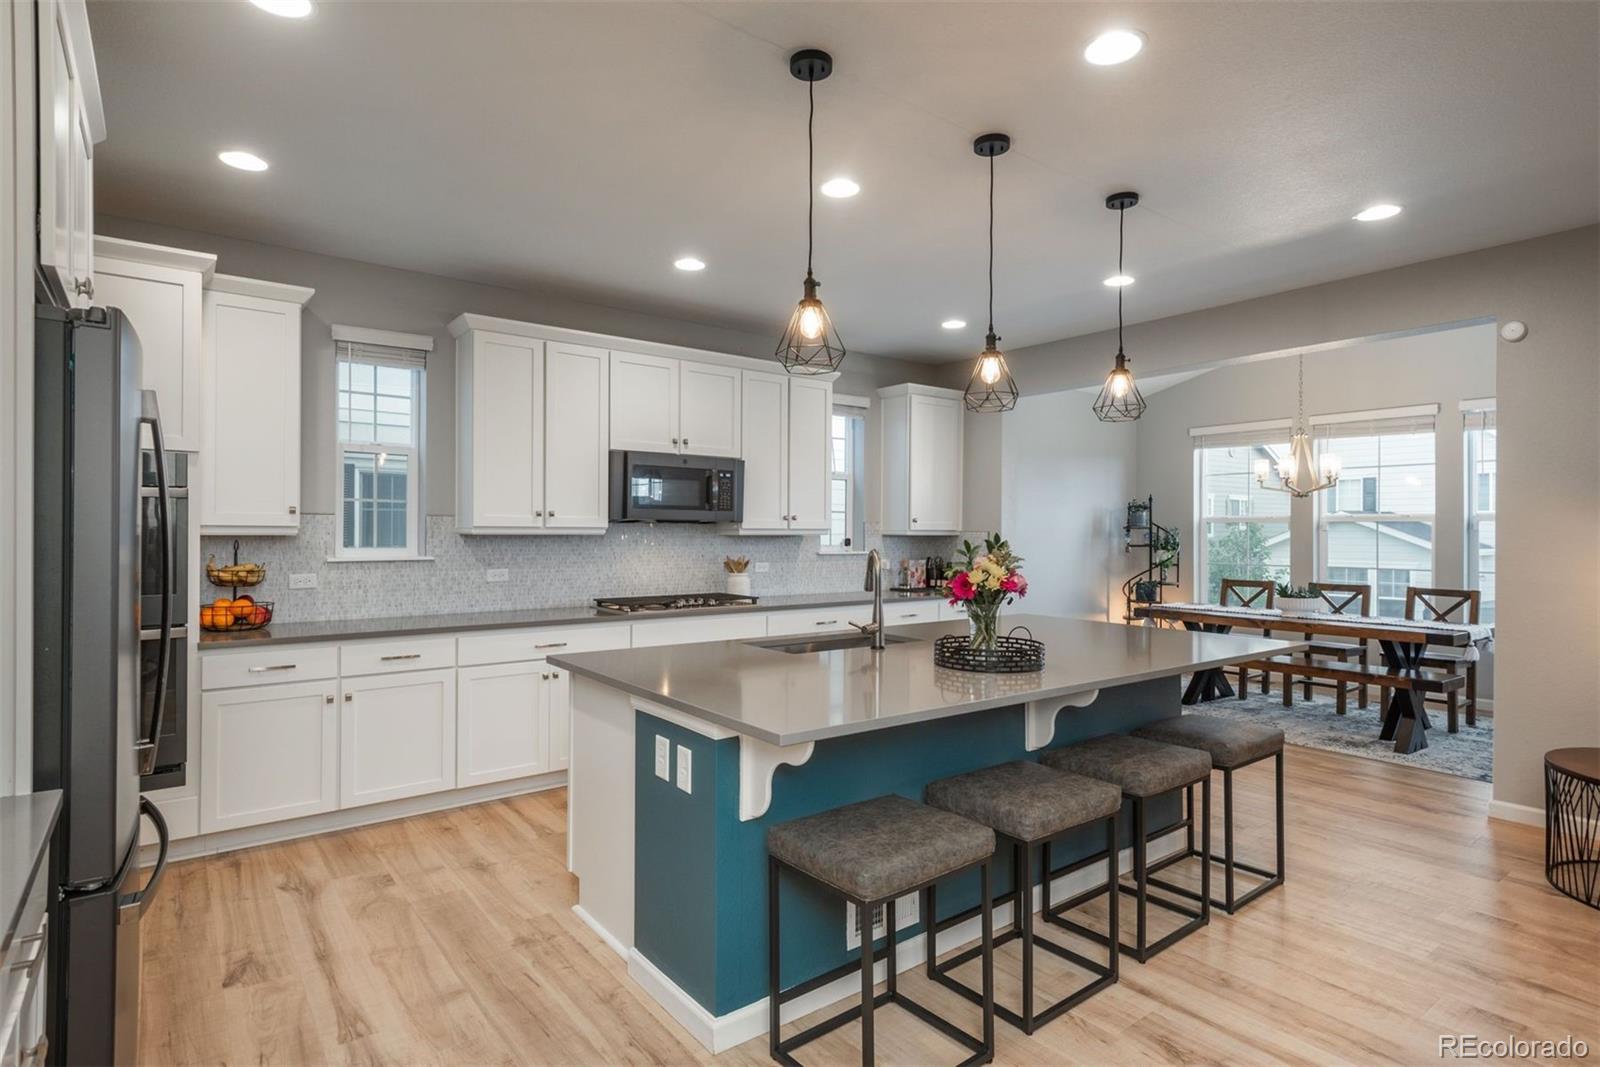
(1119, 399)
(810, 345)
(991, 388)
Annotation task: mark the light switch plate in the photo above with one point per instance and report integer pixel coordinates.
(685, 769)
(497, 574)
(302, 581)
(761, 567)
(663, 758)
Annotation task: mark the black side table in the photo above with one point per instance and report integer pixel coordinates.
(1572, 822)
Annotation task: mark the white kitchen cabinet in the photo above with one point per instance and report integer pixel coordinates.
(558, 706)
(503, 722)
(268, 752)
(397, 736)
(818, 620)
(71, 122)
(922, 459)
(532, 433)
(784, 445)
(576, 435)
(949, 612)
(250, 446)
(160, 290)
(661, 404)
(904, 613)
(737, 626)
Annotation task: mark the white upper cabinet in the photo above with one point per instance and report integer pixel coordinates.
(644, 403)
(160, 291)
(661, 404)
(785, 444)
(532, 432)
(810, 414)
(70, 123)
(922, 459)
(576, 460)
(250, 448)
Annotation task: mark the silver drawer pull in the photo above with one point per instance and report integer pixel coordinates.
(408, 655)
(274, 667)
(829, 622)
(553, 644)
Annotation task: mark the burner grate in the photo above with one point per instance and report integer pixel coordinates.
(632, 605)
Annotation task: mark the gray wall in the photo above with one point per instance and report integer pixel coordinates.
(1548, 388)
(360, 294)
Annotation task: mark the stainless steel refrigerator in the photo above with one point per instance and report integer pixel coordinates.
(93, 735)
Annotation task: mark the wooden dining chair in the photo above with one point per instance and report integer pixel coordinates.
(1342, 598)
(1432, 604)
(1248, 593)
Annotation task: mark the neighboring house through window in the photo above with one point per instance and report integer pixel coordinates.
(846, 464)
(1482, 445)
(381, 378)
(1244, 528)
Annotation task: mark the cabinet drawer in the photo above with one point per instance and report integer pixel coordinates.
(817, 620)
(387, 657)
(292, 663)
(514, 646)
(906, 614)
(693, 631)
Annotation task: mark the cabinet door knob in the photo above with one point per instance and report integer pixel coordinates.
(685, 442)
(329, 700)
(538, 514)
(674, 442)
(549, 514)
(545, 676)
(349, 697)
(293, 510)
(913, 519)
(83, 287)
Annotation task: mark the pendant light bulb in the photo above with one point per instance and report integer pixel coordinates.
(810, 344)
(1119, 399)
(991, 388)
(989, 369)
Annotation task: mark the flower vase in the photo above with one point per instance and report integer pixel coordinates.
(983, 623)
(739, 584)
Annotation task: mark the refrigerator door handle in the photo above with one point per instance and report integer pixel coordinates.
(141, 898)
(150, 415)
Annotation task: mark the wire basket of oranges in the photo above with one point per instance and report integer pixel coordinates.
(239, 613)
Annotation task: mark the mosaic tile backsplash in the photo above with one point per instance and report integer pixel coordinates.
(545, 571)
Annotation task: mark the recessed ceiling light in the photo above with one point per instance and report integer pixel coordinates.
(1117, 281)
(242, 160)
(1113, 47)
(689, 263)
(954, 324)
(1378, 212)
(289, 9)
(840, 188)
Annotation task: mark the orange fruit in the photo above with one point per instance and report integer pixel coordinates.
(208, 618)
(222, 602)
(241, 608)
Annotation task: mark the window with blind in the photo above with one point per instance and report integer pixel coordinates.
(846, 456)
(1481, 445)
(1376, 526)
(379, 418)
(1244, 528)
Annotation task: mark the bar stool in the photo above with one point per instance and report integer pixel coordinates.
(1231, 745)
(1026, 804)
(870, 853)
(1143, 769)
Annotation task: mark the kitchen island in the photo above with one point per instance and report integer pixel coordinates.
(682, 756)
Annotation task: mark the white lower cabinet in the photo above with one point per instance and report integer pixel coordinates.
(558, 705)
(397, 736)
(503, 729)
(268, 753)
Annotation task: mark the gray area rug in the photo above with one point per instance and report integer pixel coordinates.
(1467, 754)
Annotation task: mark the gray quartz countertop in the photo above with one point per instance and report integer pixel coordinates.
(26, 823)
(785, 698)
(411, 625)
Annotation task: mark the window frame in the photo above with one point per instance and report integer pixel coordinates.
(360, 345)
(1483, 413)
(1263, 435)
(855, 409)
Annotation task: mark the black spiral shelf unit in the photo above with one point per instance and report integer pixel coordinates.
(1141, 531)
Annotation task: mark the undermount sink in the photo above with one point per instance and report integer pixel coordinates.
(828, 644)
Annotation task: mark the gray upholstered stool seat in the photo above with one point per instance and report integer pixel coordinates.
(881, 847)
(1141, 767)
(1231, 744)
(1024, 800)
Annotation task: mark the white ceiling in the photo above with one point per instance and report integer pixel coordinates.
(581, 147)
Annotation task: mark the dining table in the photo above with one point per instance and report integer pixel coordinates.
(1402, 643)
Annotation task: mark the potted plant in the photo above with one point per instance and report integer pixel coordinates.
(737, 568)
(1138, 515)
(1297, 598)
(1147, 591)
(986, 579)
(1164, 545)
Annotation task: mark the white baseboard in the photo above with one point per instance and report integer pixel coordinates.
(718, 1033)
(605, 935)
(288, 830)
(1506, 811)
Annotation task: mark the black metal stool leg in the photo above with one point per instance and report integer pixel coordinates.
(1227, 839)
(865, 914)
(772, 956)
(1024, 920)
(1113, 895)
(988, 962)
(929, 934)
(1205, 852)
(1141, 878)
(889, 944)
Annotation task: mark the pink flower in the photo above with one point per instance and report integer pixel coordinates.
(1015, 583)
(961, 587)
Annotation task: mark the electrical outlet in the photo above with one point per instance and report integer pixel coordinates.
(663, 758)
(685, 769)
(762, 567)
(302, 581)
(905, 914)
(497, 574)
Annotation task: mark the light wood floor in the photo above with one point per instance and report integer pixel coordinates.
(448, 939)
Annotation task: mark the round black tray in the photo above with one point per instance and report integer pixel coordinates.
(1011, 655)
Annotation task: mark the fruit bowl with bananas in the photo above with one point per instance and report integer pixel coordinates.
(234, 574)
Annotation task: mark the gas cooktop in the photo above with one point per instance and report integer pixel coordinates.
(634, 605)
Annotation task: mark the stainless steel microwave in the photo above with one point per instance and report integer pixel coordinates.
(667, 487)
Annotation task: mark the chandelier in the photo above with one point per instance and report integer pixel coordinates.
(1298, 472)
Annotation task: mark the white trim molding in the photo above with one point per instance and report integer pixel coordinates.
(1375, 415)
(1525, 814)
(367, 335)
(758, 761)
(232, 283)
(156, 256)
(1241, 427)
